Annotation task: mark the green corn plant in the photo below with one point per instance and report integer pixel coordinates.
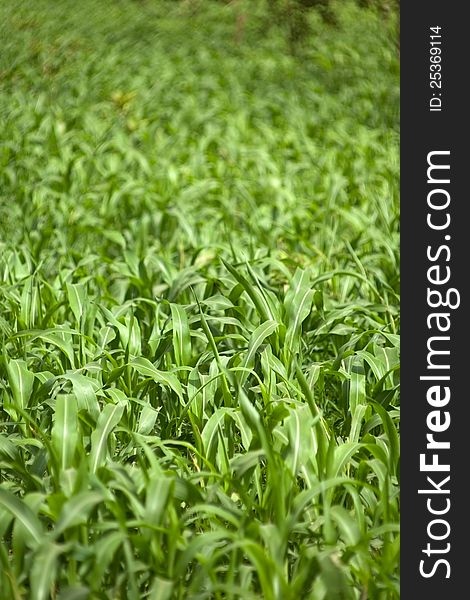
(199, 304)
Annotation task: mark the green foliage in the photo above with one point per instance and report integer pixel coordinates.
(199, 324)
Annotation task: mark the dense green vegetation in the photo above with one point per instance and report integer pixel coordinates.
(198, 303)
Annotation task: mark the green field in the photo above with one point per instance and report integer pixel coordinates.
(199, 302)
